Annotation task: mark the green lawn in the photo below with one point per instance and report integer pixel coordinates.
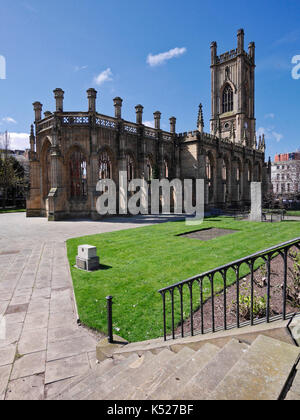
(12, 211)
(293, 213)
(145, 259)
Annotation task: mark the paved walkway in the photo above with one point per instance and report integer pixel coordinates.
(43, 347)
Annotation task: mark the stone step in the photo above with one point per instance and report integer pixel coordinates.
(101, 368)
(103, 390)
(294, 392)
(292, 396)
(126, 388)
(166, 359)
(89, 384)
(119, 390)
(277, 330)
(295, 329)
(155, 376)
(175, 384)
(260, 374)
(205, 380)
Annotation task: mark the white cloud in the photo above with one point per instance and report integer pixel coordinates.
(158, 59)
(19, 141)
(149, 124)
(271, 115)
(105, 76)
(270, 134)
(79, 68)
(9, 120)
(277, 136)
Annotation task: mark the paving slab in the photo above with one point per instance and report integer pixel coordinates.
(67, 319)
(70, 347)
(4, 377)
(33, 341)
(26, 389)
(36, 321)
(38, 305)
(7, 354)
(66, 368)
(13, 332)
(36, 295)
(64, 333)
(54, 389)
(29, 365)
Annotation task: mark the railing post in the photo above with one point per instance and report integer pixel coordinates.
(109, 319)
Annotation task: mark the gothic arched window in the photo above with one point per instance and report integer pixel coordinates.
(149, 169)
(47, 170)
(105, 166)
(224, 179)
(130, 167)
(209, 177)
(249, 173)
(227, 99)
(78, 174)
(166, 168)
(224, 170)
(239, 176)
(208, 168)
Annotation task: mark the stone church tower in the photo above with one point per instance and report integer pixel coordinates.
(232, 93)
(71, 151)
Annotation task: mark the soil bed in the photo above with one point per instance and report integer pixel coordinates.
(260, 290)
(208, 234)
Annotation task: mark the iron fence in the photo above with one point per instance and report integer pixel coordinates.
(182, 294)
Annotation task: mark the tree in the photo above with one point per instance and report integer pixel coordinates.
(11, 172)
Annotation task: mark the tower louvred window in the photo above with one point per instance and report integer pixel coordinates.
(227, 99)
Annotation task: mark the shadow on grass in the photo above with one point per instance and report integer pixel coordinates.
(104, 267)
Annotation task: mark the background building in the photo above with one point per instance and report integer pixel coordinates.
(286, 175)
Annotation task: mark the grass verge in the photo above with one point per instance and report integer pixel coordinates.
(3, 211)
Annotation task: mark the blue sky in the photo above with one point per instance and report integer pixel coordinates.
(76, 45)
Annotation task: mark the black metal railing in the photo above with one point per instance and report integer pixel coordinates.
(229, 275)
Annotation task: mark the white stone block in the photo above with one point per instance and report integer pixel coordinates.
(87, 252)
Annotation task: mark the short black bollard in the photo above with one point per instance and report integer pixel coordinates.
(109, 319)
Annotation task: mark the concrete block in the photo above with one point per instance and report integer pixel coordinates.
(90, 264)
(87, 251)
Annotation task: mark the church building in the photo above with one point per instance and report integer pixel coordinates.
(71, 151)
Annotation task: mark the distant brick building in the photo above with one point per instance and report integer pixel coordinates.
(286, 174)
(71, 151)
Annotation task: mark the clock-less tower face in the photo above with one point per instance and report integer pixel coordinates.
(233, 79)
